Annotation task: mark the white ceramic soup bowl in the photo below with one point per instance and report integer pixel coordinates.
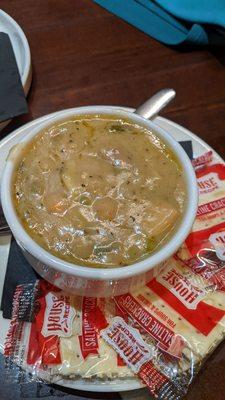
(88, 281)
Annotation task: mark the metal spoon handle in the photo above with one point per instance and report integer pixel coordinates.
(156, 103)
(5, 232)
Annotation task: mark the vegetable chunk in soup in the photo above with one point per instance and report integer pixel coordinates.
(99, 191)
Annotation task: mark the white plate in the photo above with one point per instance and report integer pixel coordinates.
(179, 133)
(21, 49)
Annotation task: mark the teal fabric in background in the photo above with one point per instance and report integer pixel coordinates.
(201, 11)
(174, 22)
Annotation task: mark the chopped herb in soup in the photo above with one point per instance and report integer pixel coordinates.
(99, 191)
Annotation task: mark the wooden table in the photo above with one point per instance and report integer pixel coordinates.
(83, 55)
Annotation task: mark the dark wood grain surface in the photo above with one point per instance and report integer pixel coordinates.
(83, 55)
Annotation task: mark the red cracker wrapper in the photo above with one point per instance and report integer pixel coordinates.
(162, 332)
(61, 327)
(128, 342)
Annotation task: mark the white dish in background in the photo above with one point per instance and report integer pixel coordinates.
(21, 50)
(179, 133)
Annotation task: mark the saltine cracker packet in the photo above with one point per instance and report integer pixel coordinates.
(62, 339)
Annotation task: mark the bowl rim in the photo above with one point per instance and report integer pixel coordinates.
(109, 273)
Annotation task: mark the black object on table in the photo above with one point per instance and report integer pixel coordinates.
(12, 98)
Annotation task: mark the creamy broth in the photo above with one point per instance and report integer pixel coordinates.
(99, 191)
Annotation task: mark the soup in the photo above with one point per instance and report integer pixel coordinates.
(99, 191)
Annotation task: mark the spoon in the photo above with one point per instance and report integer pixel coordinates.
(4, 228)
(150, 108)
